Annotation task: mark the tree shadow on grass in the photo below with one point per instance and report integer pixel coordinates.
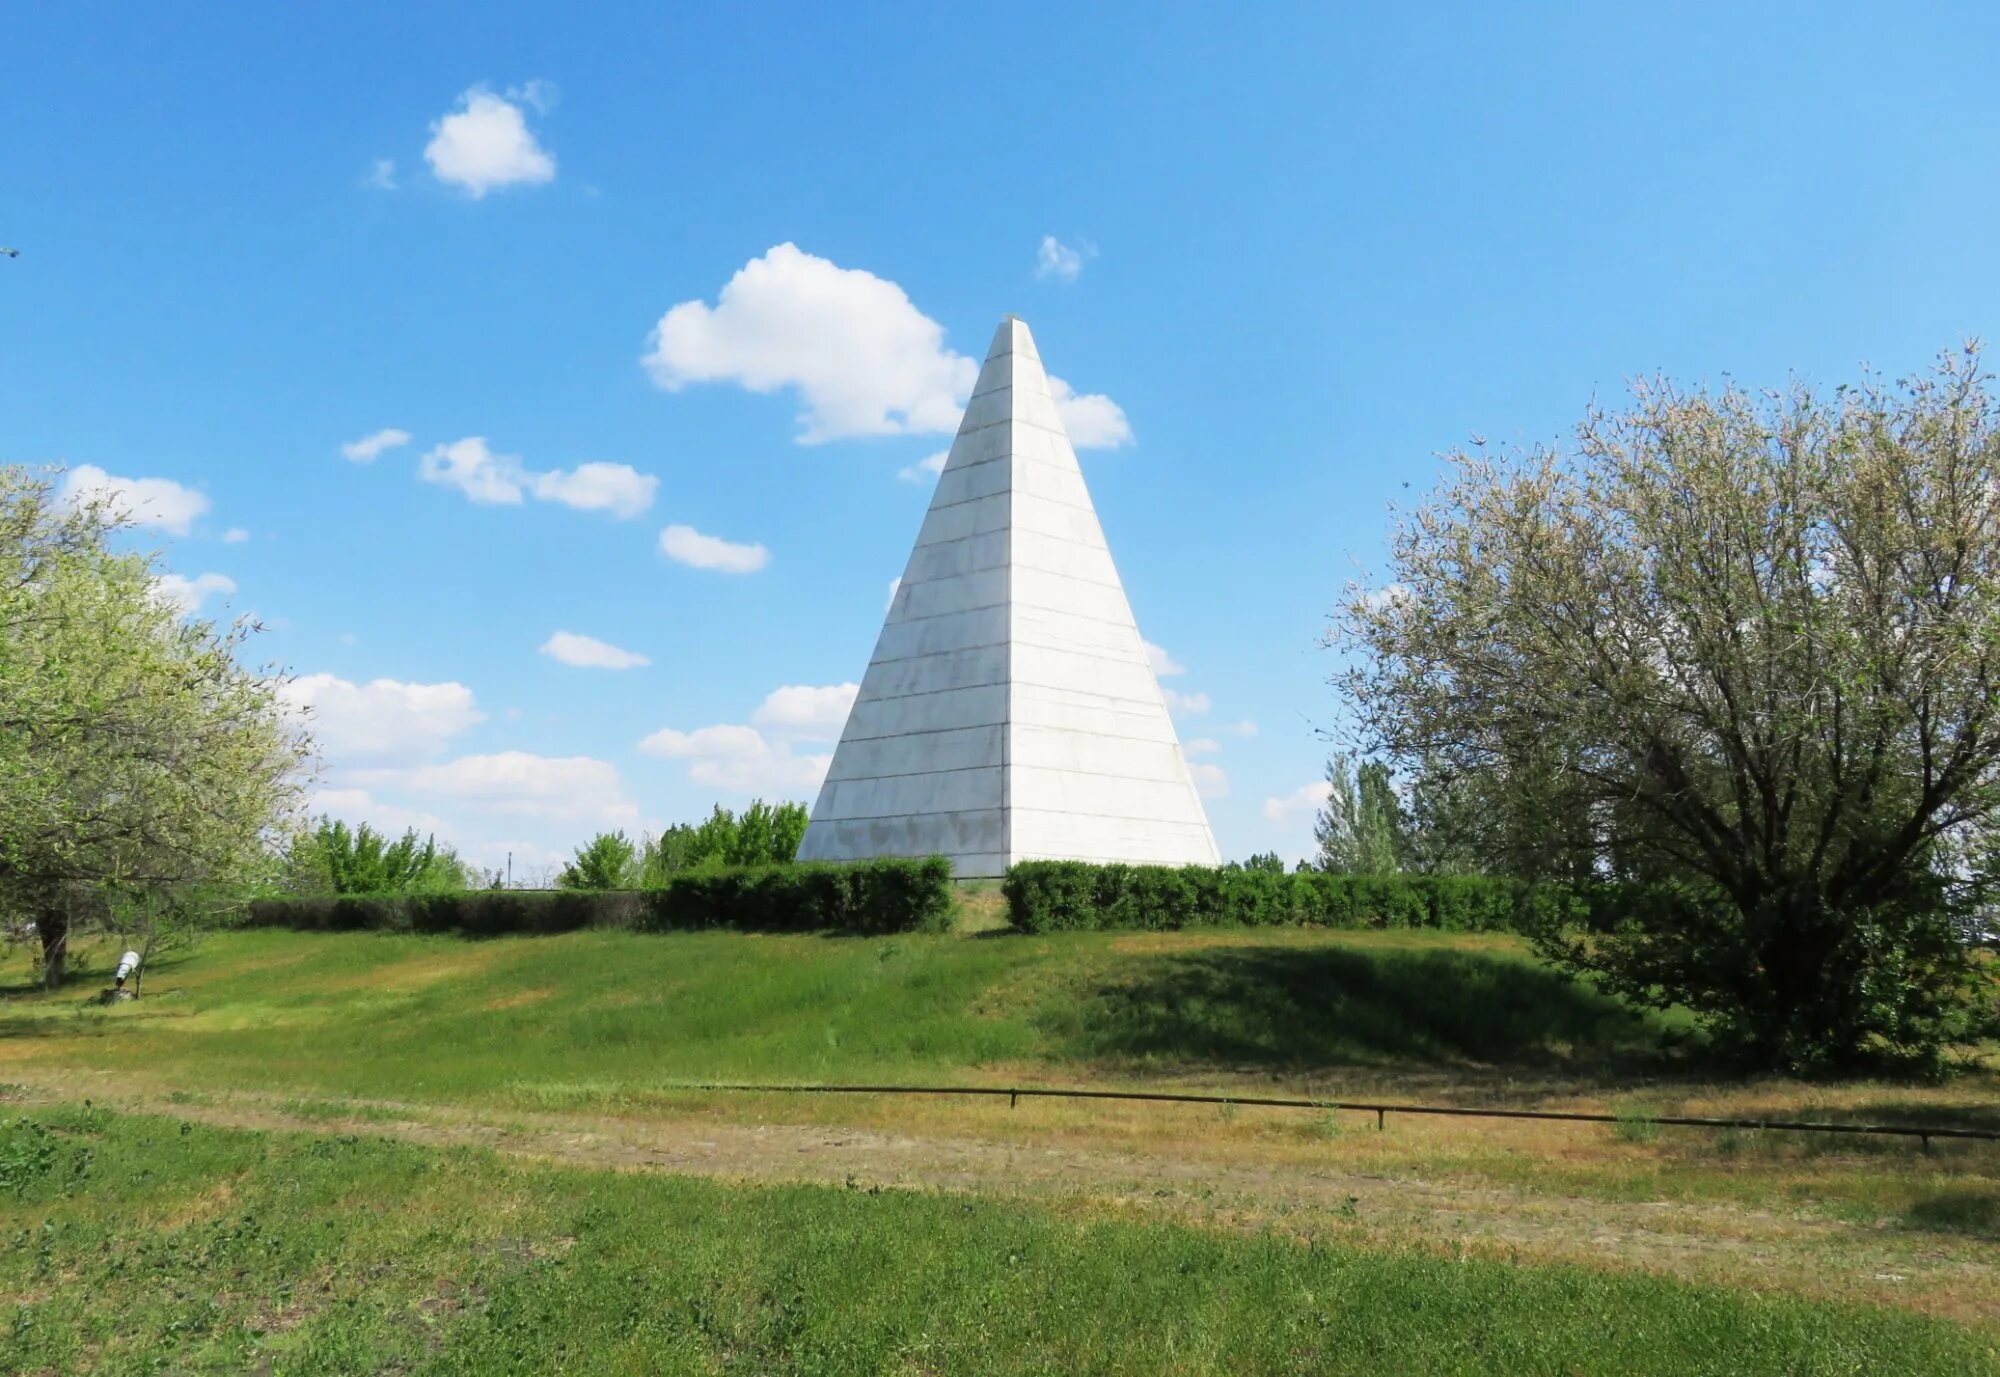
(1287, 1009)
(1971, 1212)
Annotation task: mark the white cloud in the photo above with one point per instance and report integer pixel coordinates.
(1203, 745)
(1185, 704)
(587, 652)
(1244, 728)
(521, 784)
(864, 360)
(536, 92)
(382, 722)
(1163, 664)
(1307, 799)
(369, 448)
(739, 759)
(1092, 419)
(474, 470)
(925, 469)
(471, 466)
(155, 502)
(357, 806)
(382, 176)
(235, 535)
(186, 595)
(1057, 260)
(616, 488)
(689, 546)
(486, 143)
(1209, 780)
(805, 712)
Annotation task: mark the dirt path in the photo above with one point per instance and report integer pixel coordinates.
(1706, 1240)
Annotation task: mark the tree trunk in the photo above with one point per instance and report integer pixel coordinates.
(53, 927)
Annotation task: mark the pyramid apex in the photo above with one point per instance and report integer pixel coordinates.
(1012, 338)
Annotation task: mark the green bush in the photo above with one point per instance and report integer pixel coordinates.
(865, 897)
(1051, 896)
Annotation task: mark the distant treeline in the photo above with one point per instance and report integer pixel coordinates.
(331, 858)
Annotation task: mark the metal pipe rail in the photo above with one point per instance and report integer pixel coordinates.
(1381, 1111)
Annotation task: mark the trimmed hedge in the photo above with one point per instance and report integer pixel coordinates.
(1054, 896)
(864, 897)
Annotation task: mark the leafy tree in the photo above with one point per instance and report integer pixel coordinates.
(1746, 650)
(761, 835)
(136, 751)
(608, 861)
(1269, 862)
(331, 858)
(788, 829)
(1361, 830)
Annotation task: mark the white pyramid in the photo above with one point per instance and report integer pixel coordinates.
(1009, 712)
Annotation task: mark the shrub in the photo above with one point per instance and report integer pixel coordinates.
(864, 897)
(1051, 896)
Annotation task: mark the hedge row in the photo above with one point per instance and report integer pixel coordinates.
(864, 897)
(1052, 896)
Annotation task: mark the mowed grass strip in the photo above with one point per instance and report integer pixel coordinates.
(140, 1243)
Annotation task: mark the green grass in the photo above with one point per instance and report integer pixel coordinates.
(143, 1244)
(388, 1016)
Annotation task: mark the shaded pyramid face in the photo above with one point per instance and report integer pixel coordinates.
(1009, 712)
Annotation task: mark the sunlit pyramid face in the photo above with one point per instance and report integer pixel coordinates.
(1009, 711)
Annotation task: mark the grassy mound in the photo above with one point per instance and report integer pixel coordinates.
(401, 1015)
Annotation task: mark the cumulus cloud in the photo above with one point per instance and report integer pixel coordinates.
(808, 713)
(598, 487)
(369, 448)
(160, 503)
(486, 143)
(1163, 664)
(1306, 800)
(925, 469)
(739, 759)
(1209, 780)
(1092, 419)
(861, 357)
(1244, 728)
(382, 176)
(383, 721)
(357, 806)
(1058, 261)
(1203, 745)
(1185, 704)
(186, 595)
(686, 545)
(485, 476)
(587, 652)
(474, 470)
(522, 784)
(235, 535)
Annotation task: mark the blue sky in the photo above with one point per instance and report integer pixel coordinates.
(1295, 252)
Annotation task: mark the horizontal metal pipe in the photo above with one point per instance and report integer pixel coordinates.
(1016, 1093)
